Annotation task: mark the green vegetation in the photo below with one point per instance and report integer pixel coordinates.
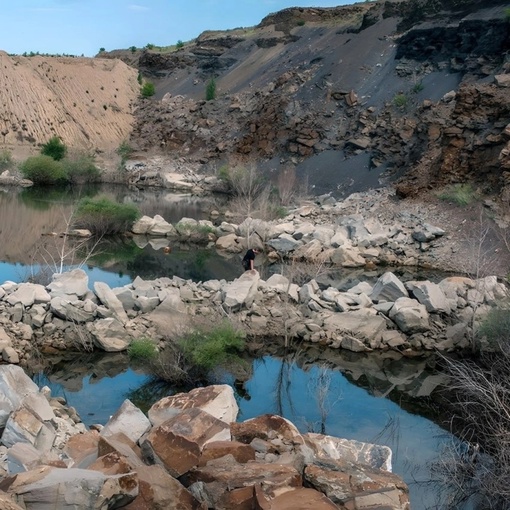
(400, 100)
(102, 50)
(150, 46)
(210, 90)
(54, 148)
(179, 44)
(300, 22)
(43, 170)
(148, 89)
(6, 160)
(124, 150)
(80, 168)
(496, 327)
(218, 346)
(460, 194)
(132, 49)
(507, 13)
(102, 216)
(139, 78)
(418, 87)
(142, 349)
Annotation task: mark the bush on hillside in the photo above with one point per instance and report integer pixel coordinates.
(55, 148)
(80, 168)
(210, 90)
(102, 216)
(43, 170)
(142, 350)
(148, 89)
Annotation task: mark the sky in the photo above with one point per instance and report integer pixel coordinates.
(82, 27)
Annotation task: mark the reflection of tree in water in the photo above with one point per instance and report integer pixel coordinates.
(42, 198)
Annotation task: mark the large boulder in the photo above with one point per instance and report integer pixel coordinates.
(15, 385)
(358, 486)
(176, 444)
(360, 323)
(72, 283)
(430, 295)
(111, 301)
(28, 294)
(128, 420)
(109, 335)
(410, 316)
(69, 489)
(388, 288)
(217, 400)
(241, 292)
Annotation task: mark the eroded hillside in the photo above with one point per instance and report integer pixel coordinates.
(87, 102)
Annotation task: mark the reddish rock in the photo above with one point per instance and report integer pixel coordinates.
(160, 491)
(111, 464)
(82, 448)
(358, 486)
(177, 443)
(302, 499)
(242, 453)
(267, 427)
(222, 481)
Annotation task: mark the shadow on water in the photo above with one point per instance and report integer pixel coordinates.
(369, 398)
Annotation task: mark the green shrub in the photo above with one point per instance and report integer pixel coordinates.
(80, 168)
(102, 216)
(150, 46)
(210, 90)
(102, 50)
(400, 100)
(418, 87)
(148, 89)
(6, 161)
(124, 150)
(142, 349)
(496, 327)
(139, 78)
(460, 194)
(209, 349)
(55, 148)
(179, 44)
(300, 22)
(132, 49)
(43, 170)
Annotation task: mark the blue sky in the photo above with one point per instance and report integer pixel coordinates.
(83, 26)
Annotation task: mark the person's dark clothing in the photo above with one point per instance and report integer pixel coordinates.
(250, 255)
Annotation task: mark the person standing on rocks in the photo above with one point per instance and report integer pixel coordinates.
(249, 259)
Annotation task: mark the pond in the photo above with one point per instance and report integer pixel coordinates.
(29, 217)
(350, 396)
(366, 398)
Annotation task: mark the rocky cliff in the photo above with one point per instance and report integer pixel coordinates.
(350, 97)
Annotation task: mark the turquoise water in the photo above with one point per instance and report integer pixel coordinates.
(317, 399)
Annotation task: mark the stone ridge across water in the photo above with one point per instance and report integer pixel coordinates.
(188, 453)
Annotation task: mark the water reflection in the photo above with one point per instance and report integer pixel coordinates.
(356, 397)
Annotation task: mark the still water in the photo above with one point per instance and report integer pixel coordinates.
(363, 398)
(349, 400)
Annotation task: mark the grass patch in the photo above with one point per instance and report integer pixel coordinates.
(102, 216)
(460, 194)
(496, 327)
(209, 349)
(142, 349)
(80, 168)
(210, 90)
(6, 160)
(400, 100)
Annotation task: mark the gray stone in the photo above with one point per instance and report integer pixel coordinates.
(360, 323)
(284, 243)
(143, 225)
(75, 282)
(241, 292)
(109, 334)
(388, 288)
(410, 316)
(128, 420)
(430, 295)
(110, 300)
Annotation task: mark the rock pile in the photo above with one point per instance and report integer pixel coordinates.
(188, 454)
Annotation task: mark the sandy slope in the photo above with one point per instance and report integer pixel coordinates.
(87, 102)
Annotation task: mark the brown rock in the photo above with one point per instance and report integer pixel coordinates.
(160, 491)
(358, 486)
(224, 480)
(267, 427)
(83, 446)
(111, 464)
(302, 499)
(242, 453)
(177, 443)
